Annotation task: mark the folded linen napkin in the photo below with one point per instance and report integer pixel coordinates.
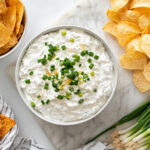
(11, 141)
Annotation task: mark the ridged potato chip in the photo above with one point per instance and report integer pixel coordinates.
(4, 35)
(5, 125)
(140, 82)
(146, 30)
(3, 6)
(20, 12)
(146, 71)
(139, 4)
(130, 15)
(111, 28)
(126, 31)
(133, 61)
(144, 21)
(145, 44)
(13, 41)
(134, 45)
(12, 2)
(114, 16)
(9, 19)
(118, 4)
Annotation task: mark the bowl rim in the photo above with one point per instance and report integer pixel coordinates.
(21, 38)
(53, 29)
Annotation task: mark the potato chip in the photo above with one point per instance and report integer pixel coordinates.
(9, 19)
(4, 35)
(146, 30)
(111, 28)
(13, 41)
(133, 61)
(20, 31)
(145, 44)
(130, 15)
(3, 6)
(143, 10)
(118, 4)
(146, 71)
(144, 21)
(20, 12)
(12, 2)
(114, 16)
(140, 3)
(5, 125)
(134, 45)
(140, 82)
(126, 31)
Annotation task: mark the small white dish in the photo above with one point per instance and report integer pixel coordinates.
(53, 30)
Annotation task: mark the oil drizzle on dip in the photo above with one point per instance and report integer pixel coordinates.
(66, 75)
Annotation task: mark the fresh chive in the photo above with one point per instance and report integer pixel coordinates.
(63, 33)
(80, 65)
(49, 78)
(80, 94)
(91, 54)
(63, 47)
(96, 57)
(32, 104)
(60, 82)
(56, 90)
(81, 101)
(84, 52)
(27, 81)
(31, 73)
(76, 57)
(46, 86)
(44, 77)
(57, 58)
(38, 96)
(95, 90)
(72, 40)
(91, 66)
(52, 67)
(62, 76)
(60, 96)
(89, 60)
(42, 102)
(71, 89)
(92, 73)
(48, 101)
(46, 43)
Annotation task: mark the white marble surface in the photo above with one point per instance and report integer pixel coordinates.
(91, 14)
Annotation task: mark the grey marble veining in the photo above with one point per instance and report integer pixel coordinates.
(91, 14)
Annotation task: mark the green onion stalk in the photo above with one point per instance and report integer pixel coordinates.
(137, 136)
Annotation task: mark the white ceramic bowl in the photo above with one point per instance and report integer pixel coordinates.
(21, 38)
(53, 30)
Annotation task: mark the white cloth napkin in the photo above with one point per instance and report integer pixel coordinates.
(11, 141)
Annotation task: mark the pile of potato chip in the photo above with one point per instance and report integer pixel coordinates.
(130, 24)
(11, 24)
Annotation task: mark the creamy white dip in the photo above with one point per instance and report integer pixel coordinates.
(64, 110)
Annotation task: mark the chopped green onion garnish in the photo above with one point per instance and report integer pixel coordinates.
(63, 33)
(42, 102)
(76, 57)
(62, 76)
(91, 54)
(44, 77)
(63, 47)
(91, 66)
(80, 65)
(27, 81)
(52, 67)
(74, 82)
(56, 90)
(84, 52)
(32, 104)
(71, 89)
(60, 96)
(60, 82)
(38, 96)
(49, 78)
(81, 101)
(92, 73)
(95, 90)
(72, 40)
(48, 101)
(80, 94)
(96, 57)
(46, 86)
(31, 73)
(89, 60)
(57, 58)
(46, 43)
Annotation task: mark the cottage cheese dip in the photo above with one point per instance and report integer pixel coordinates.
(66, 75)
